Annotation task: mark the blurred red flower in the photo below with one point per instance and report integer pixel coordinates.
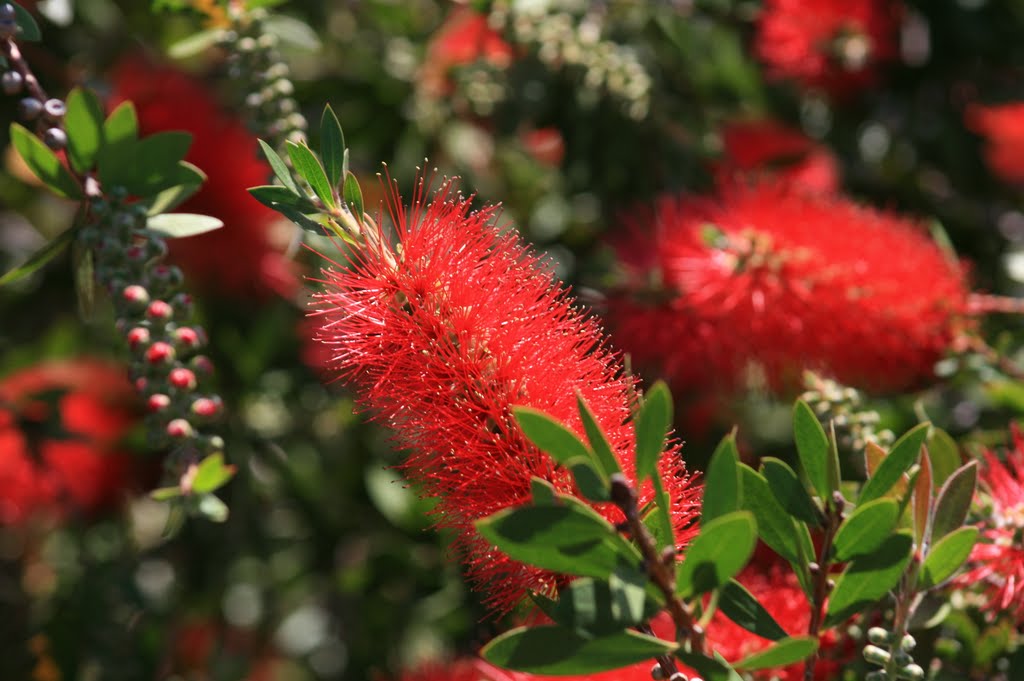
(1002, 126)
(466, 669)
(463, 38)
(830, 45)
(759, 148)
(442, 343)
(199, 643)
(776, 280)
(243, 259)
(996, 565)
(60, 426)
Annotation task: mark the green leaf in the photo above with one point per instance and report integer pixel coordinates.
(954, 501)
(723, 477)
(868, 578)
(309, 168)
(559, 651)
(279, 167)
(184, 181)
(652, 424)
(122, 125)
(180, 225)
(944, 454)
(332, 146)
(292, 31)
(212, 508)
(542, 491)
(44, 163)
(559, 538)
(353, 195)
(789, 491)
(901, 457)
(165, 493)
(598, 608)
(591, 483)
(744, 609)
(84, 124)
(274, 196)
(866, 528)
(39, 258)
(29, 28)
(602, 449)
(946, 556)
(722, 548)
(301, 220)
(813, 449)
(196, 43)
(550, 436)
(775, 527)
(709, 668)
(786, 652)
(147, 166)
(211, 474)
(664, 533)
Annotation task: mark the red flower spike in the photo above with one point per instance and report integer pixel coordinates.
(160, 353)
(442, 344)
(829, 45)
(775, 279)
(1002, 126)
(243, 259)
(60, 424)
(996, 565)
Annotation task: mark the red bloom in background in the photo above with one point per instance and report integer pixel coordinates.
(1002, 126)
(831, 45)
(243, 258)
(464, 38)
(60, 424)
(767, 148)
(467, 669)
(997, 561)
(779, 280)
(442, 344)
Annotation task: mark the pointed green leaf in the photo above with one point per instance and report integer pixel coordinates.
(144, 167)
(84, 124)
(722, 548)
(789, 491)
(598, 441)
(813, 448)
(786, 652)
(332, 146)
(901, 457)
(184, 181)
(39, 258)
(279, 167)
(165, 493)
(944, 454)
(29, 29)
(743, 608)
(211, 474)
(591, 483)
(353, 195)
(652, 424)
(866, 528)
(543, 492)
(560, 651)
(44, 163)
(550, 436)
(664, 533)
(868, 578)
(196, 43)
(301, 220)
(292, 31)
(775, 527)
(122, 125)
(180, 225)
(274, 196)
(946, 556)
(309, 168)
(723, 478)
(954, 501)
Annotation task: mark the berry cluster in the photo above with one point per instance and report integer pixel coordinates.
(35, 107)
(153, 316)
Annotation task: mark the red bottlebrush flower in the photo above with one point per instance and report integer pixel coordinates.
(996, 565)
(444, 342)
(60, 423)
(777, 589)
(464, 38)
(1002, 126)
(780, 280)
(831, 45)
(767, 148)
(242, 259)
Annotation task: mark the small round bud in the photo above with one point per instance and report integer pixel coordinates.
(182, 303)
(157, 403)
(141, 384)
(135, 295)
(159, 311)
(188, 337)
(202, 365)
(284, 88)
(206, 407)
(213, 443)
(879, 636)
(11, 82)
(875, 676)
(912, 672)
(135, 254)
(29, 108)
(160, 353)
(876, 655)
(180, 429)
(183, 379)
(55, 138)
(657, 673)
(907, 643)
(246, 44)
(7, 11)
(137, 337)
(267, 41)
(54, 109)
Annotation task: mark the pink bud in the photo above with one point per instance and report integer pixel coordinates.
(159, 310)
(179, 429)
(160, 352)
(182, 378)
(206, 406)
(158, 402)
(138, 336)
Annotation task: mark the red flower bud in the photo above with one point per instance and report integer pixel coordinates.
(135, 295)
(158, 402)
(182, 378)
(160, 352)
(180, 429)
(138, 336)
(206, 406)
(159, 310)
